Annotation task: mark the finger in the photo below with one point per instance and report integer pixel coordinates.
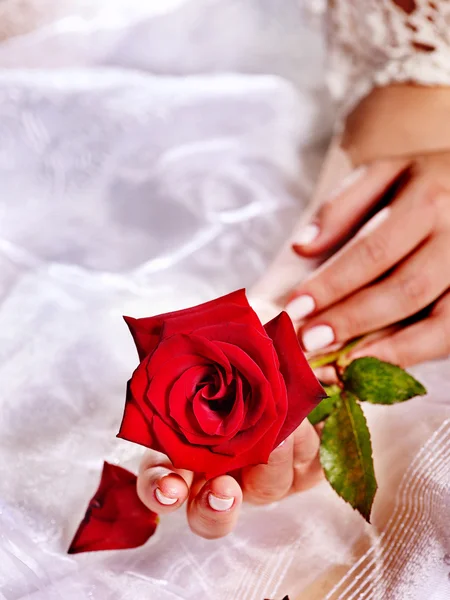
(338, 217)
(263, 484)
(308, 471)
(326, 375)
(214, 507)
(160, 487)
(377, 248)
(428, 339)
(414, 285)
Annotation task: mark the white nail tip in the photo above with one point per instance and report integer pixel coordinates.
(318, 337)
(307, 235)
(220, 504)
(351, 178)
(164, 499)
(375, 221)
(300, 307)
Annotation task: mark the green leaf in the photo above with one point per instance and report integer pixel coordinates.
(325, 408)
(346, 455)
(379, 382)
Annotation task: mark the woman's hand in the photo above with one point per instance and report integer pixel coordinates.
(397, 267)
(213, 506)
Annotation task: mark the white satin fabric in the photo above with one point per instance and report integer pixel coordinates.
(152, 157)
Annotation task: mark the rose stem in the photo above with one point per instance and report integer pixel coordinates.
(334, 357)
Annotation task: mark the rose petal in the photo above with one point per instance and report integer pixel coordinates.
(218, 387)
(233, 308)
(147, 332)
(266, 413)
(259, 347)
(196, 377)
(263, 433)
(167, 392)
(194, 346)
(303, 389)
(201, 460)
(209, 421)
(199, 439)
(262, 393)
(170, 362)
(136, 426)
(182, 413)
(164, 368)
(145, 399)
(212, 422)
(116, 518)
(153, 379)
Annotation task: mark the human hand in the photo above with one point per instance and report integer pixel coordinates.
(213, 506)
(396, 267)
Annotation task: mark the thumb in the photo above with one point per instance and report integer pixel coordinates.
(160, 487)
(307, 468)
(347, 208)
(306, 443)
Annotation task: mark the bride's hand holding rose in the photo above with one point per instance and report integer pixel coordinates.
(213, 506)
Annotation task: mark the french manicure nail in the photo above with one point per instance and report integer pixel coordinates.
(220, 504)
(362, 352)
(348, 181)
(301, 307)
(375, 221)
(164, 500)
(318, 337)
(307, 235)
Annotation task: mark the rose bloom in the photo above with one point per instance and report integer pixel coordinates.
(215, 389)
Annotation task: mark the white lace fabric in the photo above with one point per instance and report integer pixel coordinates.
(379, 42)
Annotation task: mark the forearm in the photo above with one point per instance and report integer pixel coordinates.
(398, 120)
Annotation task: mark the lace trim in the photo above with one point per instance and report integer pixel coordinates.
(377, 42)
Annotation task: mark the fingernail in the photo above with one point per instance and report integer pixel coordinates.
(307, 235)
(301, 307)
(360, 353)
(318, 337)
(349, 180)
(220, 504)
(375, 221)
(164, 500)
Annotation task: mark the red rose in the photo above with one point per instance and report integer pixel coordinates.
(215, 390)
(116, 518)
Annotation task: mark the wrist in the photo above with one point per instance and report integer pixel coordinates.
(398, 120)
